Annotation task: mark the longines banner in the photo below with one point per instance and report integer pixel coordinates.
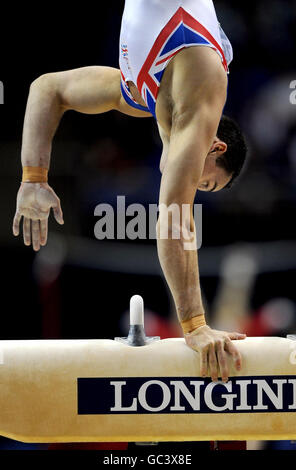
(141, 395)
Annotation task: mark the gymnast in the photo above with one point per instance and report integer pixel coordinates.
(162, 74)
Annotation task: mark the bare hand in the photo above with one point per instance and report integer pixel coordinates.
(213, 346)
(34, 201)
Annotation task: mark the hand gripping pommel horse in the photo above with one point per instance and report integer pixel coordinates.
(140, 389)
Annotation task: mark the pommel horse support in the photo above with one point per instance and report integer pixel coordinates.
(140, 389)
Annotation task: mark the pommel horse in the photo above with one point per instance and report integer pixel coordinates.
(140, 389)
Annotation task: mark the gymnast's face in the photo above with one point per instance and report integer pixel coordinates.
(214, 177)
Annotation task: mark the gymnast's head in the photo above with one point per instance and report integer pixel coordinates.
(226, 157)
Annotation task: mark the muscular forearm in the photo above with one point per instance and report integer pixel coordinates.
(177, 251)
(43, 114)
(180, 267)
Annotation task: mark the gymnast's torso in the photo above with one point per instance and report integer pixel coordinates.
(153, 32)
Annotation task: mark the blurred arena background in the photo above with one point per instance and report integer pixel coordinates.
(78, 286)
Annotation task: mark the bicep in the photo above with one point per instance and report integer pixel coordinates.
(93, 90)
(90, 90)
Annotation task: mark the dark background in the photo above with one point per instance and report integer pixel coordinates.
(79, 287)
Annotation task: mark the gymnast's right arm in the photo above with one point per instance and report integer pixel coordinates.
(90, 90)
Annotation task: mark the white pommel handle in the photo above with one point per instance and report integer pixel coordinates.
(136, 310)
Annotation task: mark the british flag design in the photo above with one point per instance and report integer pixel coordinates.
(181, 31)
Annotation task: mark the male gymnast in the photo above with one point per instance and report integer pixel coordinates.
(162, 74)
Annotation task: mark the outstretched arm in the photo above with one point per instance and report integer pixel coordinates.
(195, 119)
(90, 90)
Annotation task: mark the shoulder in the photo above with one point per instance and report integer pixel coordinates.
(197, 77)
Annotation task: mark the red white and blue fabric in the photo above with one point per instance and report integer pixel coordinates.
(125, 91)
(181, 31)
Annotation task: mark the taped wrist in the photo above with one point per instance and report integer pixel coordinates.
(34, 174)
(195, 322)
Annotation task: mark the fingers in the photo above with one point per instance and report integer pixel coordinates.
(27, 231)
(213, 364)
(214, 347)
(235, 335)
(223, 365)
(43, 231)
(203, 362)
(36, 234)
(58, 213)
(229, 346)
(16, 224)
(214, 357)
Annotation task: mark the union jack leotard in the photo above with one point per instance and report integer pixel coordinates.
(153, 31)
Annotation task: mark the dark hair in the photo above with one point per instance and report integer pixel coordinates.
(234, 157)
